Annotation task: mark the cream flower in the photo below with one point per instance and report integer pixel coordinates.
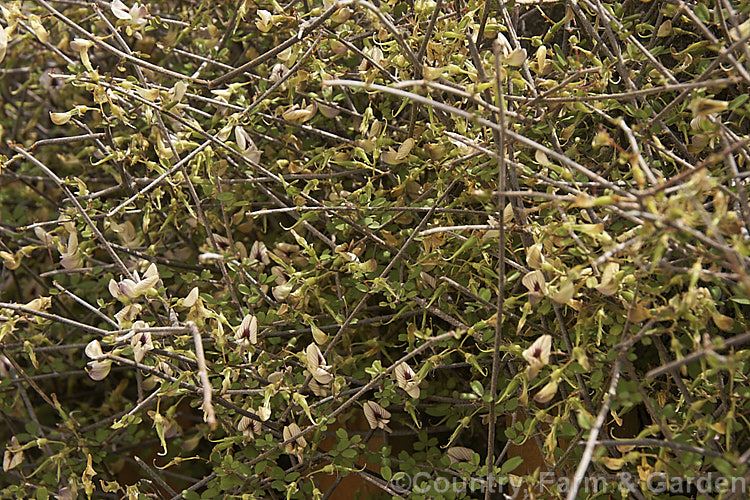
(298, 445)
(141, 341)
(537, 355)
(319, 389)
(317, 366)
(609, 283)
(135, 15)
(259, 253)
(246, 145)
(249, 426)
(377, 416)
(247, 332)
(406, 379)
(534, 257)
(128, 289)
(99, 368)
(536, 284)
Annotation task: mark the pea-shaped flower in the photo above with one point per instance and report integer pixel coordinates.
(406, 379)
(377, 416)
(298, 445)
(317, 366)
(537, 355)
(129, 289)
(99, 368)
(247, 332)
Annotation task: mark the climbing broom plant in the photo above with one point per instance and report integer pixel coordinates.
(250, 249)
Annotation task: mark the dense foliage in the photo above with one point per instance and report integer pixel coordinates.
(249, 247)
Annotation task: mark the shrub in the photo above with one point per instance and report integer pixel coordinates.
(250, 249)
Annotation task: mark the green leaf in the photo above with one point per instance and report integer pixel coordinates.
(738, 101)
(511, 464)
(477, 387)
(386, 472)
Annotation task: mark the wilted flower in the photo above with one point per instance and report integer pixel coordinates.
(127, 314)
(82, 46)
(319, 389)
(300, 113)
(11, 261)
(547, 392)
(298, 445)
(70, 255)
(127, 234)
(579, 353)
(151, 381)
(178, 90)
(459, 454)
(534, 257)
(609, 284)
(374, 55)
(283, 288)
(39, 304)
(141, 341)
(67, 493)
(43, 235)
(129, 289)
(265, 20)
(6, 368)
(319, 335)
(247, 332)
(510, 56)
(317, 366)
(705, 108)
(191, 298)
(565, 292)
(79, 44)
(264, 412)
(207, 258)
(537, 286)
(405, 377)
(392, 157)
(281, 292)
(504, 45)
(276, 377)
(13, 455)
(537, 355)
(377, 416)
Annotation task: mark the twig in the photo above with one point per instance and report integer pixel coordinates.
(114, 51)
(208, 409)
(491, 430)
(482, 121)
(592, 441)
(743, 338)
